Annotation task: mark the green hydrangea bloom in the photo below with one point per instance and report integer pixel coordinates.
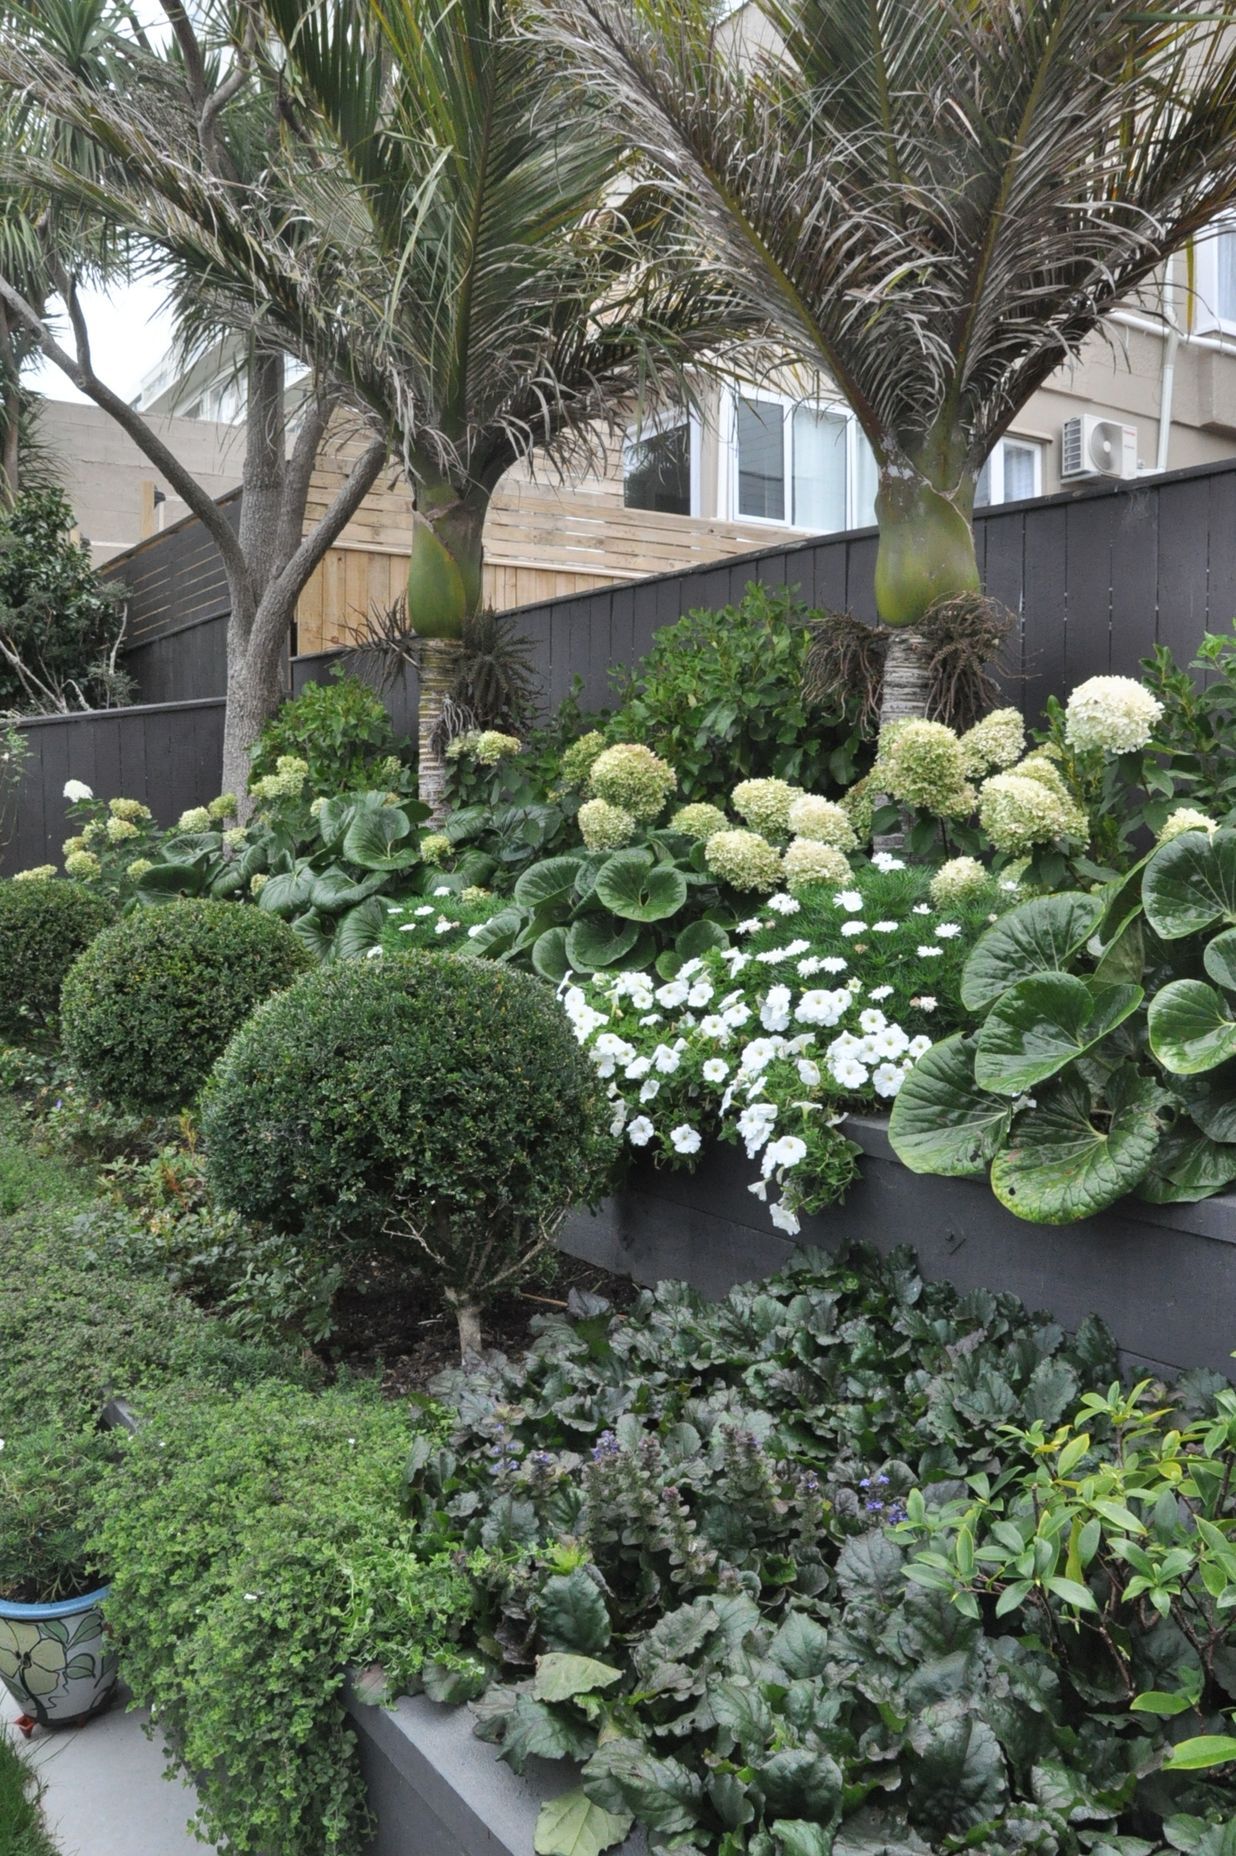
(807, 861)
(605, 827)
(632, 777)
(998, 740)
(744, 860)
(823, 821)
(957, 881)
(699, 821)
(578, 758)
(765, 804)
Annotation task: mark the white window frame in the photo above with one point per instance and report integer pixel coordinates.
(727, 485)
(665, 421)
(1207, 318)
(995, 463)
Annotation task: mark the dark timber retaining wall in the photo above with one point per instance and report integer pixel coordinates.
(1163, 1277)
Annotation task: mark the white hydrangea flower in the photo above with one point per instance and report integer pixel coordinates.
(1185, 818)
(1113, 714)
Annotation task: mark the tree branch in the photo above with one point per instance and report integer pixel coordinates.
(81, 373)
(325, 534)
(299, 473)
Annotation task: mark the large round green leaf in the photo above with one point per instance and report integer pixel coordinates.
(549, 955)
(638, 891)
(286, 893)
(1219, 959)
(942, 1122)
(377, 840)
(334, 889)
(1038, 936)
(1190, 884)
(1191, 1027)
(313, 930)
(594, 942)
(1188, 1166)
(700, 938)
(1060, 1166)
(336, 815)
(494, 937)
(1212, 1105)
(1042, 1023)
(543, 885)
(359, 930)
(164, 880)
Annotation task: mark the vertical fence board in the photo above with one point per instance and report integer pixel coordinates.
(1184, 554)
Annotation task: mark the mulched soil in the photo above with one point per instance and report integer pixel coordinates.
(386, 1325)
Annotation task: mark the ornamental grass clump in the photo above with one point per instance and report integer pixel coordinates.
(633, 777)
(431, 1106)
(148, 1007)
(45, 923)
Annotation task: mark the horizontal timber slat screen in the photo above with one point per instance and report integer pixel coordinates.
(1096, 577)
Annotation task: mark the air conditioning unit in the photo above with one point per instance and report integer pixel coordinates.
(1094, 447)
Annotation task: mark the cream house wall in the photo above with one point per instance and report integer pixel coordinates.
(114, 489)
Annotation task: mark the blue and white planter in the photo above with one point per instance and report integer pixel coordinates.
(55, 1660)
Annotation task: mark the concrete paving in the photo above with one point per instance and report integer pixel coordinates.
(104, 1791)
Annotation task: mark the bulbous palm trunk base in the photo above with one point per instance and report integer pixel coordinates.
(907, 683)
(439, 659)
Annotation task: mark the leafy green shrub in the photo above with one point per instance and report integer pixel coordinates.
(21, 1821)
(257, 1548)
(152, 1002)
(711, 1610)
(341, 730)
(49, 1484)
(1101, 1062)
(436, 1105)
(720, 696)
(56, 616)
(45, 923)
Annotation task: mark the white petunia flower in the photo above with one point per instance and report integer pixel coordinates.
(880, 992)
(871, 1021)
(918, 1045)
(787, 1151)
(715, 1070)
(672, 994)
(848, 1072)
(640, 1131)
(784, 1218)
(700, 994)
(665, 1059)
(755, 1124)
(808, 1073)
(887, 1080)
(638, 1069)
(713, 1025)
(775, 1011)
(650, 1090)
(685, 1139)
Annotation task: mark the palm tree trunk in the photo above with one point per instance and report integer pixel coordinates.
(439, 661)
(444, 591)
(926, 555)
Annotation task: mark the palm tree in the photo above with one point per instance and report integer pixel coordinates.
(443, 231)
(933, 201)
(499, 286)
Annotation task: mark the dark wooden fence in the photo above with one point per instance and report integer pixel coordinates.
(1095, 576)
(167, 755)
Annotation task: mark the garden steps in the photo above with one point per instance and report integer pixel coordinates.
(104, 1791)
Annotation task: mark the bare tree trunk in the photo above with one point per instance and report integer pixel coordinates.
(439, 658)
(468, 1316)
(257, 682)
(10, 414)
(906, 682)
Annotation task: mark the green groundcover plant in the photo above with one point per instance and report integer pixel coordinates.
(718, 1582)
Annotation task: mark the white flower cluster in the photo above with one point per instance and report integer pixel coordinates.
(763, 1046)
(1113, 714)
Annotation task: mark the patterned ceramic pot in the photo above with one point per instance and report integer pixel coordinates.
(55, 1660)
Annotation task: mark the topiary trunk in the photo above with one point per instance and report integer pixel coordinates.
(444, 591)
(926, 556)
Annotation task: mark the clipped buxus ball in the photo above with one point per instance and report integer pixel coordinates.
(45, 922)
(148, 1007)
(433, 1106)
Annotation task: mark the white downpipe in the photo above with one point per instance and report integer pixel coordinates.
(1167, 387)
(1128, 319)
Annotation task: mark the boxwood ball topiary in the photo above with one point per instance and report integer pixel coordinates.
(148, 1007)
(45, 922)
(427, 1102)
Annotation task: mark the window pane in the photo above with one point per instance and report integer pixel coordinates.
(1019, 471)
(866, 481)
(819, 470)
(982, 492)
(657, 471)
(761, 459)
(1225, 267)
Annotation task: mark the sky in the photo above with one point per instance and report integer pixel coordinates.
(129, 333)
